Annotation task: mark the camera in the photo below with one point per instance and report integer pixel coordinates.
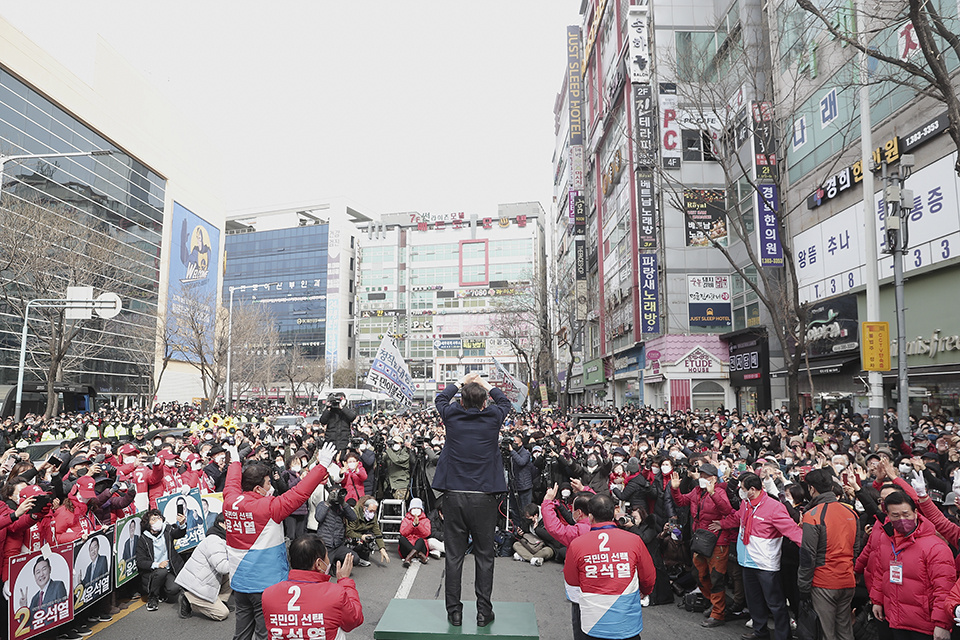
(41, 502)
(333, 400)
(359, 543)
(625, 521)
(336, 496)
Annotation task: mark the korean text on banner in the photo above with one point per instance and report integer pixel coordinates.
(125, 548)
(191, 508)
(40, 586)
(389, 373)
(92, 568)
(875, 346)
(515, 390)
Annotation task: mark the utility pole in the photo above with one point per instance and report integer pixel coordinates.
(897, 204)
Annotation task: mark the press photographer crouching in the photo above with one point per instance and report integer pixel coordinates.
(337, 418)
(333, 515)
(363, 534)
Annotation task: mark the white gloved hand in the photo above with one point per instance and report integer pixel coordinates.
(185, 489)
(956, 612)
(326, 453)
(234, 454)
(918, 484)
(770, 486)
(336, 475)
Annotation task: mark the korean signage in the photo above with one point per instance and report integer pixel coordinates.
(706, 219)
(189, 506)
(832, 327)
(92, 564)
(639, 44)
(708, 300)
(474, 343)
(423, 223)
(647, 209)
(646, 128)
(764, 151)
(574, 86)
(593, 372)
(749, 360)
(579, 215)
(875, 354)
(580, 269)
(768, 206)
(670, 148)
(41, 587)
(125, 551)
(448, 344)
(576, 168)
(649, 294)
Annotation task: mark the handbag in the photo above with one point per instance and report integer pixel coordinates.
(531, 543)
(703, 542)
(808, 624)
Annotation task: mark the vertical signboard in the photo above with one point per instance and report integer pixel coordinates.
(670, 147)
(92, 568)
(768, 206)
(580, 260)
(639, 44)
(574, 86)
(332, 331)
(647, 209)
(646, 126)
(764, 151)
(576, 168)
(649, 294)
(579, 215)
(875, 346)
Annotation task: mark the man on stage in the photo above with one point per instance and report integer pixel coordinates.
(470, 473)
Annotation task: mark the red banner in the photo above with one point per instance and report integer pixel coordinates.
(40, 586)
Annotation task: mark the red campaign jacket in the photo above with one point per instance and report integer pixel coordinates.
(415, 532)
(170, 482)
(920, 602)
(561, 531)
(308, 600)
(11, 533)
(70, 525)
(353, 482)
(145, 478)
(197, 480)
(704, 509)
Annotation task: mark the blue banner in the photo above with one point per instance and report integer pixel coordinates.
(649, 294)
(768, 204)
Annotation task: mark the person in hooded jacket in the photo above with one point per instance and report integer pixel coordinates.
(915, 575)
(205, 576)
(366, 529)
(414, 531)
(73, 519)
(593, 473)
(354, 476)
(157, 560)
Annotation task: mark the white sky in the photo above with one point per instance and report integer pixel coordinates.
(435, 106)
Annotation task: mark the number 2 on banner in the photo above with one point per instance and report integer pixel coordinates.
(292, 605)
(604, 538)
(23, 616)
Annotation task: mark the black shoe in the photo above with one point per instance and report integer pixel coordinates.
(153, 604)
(455, 618)
(710, 623)
(84, 630)
(754, 636)
(483, 620)
(185, 608)
(69, 634)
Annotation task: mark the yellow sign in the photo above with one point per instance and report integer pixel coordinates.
(875, 346)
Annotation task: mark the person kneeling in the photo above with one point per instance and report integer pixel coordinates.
(531, 547)
(157, 561)
(205, 577)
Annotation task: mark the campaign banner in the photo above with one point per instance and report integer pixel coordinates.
(649, 294)
(92, 563)
(189, 506)
(515, 390)
(389, 373)
(125, 549)
(212, 507)
(40, 587)
(768, 204)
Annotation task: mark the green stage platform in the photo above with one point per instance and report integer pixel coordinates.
(409, 619)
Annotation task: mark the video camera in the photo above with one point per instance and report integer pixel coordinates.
(336, 496)
(333, 400)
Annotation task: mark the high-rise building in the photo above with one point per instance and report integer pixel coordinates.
(445, 286)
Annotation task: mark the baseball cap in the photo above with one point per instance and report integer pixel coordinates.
(85, 487)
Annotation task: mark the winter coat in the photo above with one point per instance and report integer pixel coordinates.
(330, 523)
(353, 481)
(398, 468)
(523, 469)
(292, 479)
(369, 460)
(705, 508)
(561, 531)
(361, 526)
(337, 422)
(413, 532)
(921, 601)
(828, 549)
(203, 572)
(770, 524)
(145, 549)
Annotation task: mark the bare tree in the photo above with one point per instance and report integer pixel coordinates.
(315, 375)
(292, 369)
(345, 377)
(523, 320)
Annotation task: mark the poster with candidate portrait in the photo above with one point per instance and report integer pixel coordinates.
(92, 568)
(40, 588)
(125, 549)
(212, 507)
(190, 506)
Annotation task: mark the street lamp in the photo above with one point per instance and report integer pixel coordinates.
(229, 393)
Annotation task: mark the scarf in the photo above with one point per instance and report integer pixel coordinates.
(748, 518)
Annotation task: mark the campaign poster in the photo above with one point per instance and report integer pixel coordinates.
(190, 506)
(193, 270)
(212, 507)
(40, 591)
(92, 575)
(125, 549)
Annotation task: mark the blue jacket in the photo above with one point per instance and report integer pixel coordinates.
(470, 460)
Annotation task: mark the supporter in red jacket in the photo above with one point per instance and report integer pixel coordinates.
(561, 531)
(170, 481)
(72, 519)
(709, 502)
(354, 475)
(912, 596)
(323, 609)
(414, 531)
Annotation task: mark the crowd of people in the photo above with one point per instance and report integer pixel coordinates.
(736, 517)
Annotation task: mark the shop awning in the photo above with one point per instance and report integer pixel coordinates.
(820, 367)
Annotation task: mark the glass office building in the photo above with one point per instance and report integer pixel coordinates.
(116, 196)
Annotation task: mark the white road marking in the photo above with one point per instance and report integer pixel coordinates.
(407, 583)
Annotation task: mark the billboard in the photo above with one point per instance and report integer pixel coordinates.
(706, 218)
(708, 300)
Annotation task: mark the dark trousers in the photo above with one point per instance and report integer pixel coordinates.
(578, 633)
(339, 555)
(904, 634)
(159, 582)
(249, 616)
(765, 600)
(294, 526)
(405, 547)
(465, 515)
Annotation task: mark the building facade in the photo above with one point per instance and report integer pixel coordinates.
(441, 286)
(124, 205)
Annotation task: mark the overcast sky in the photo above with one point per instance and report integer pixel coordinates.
(432, 106)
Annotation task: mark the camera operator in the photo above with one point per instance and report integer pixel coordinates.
(333, 515)
(337, 419)
(523, 471)
(363, 534)
(594, 472)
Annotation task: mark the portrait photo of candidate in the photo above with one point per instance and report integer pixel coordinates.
(42, 583)
(189, 507)
(127, 541)
(92, 564)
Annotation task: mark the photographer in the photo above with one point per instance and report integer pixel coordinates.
(332, 518)
(523, 471)
(337, 419)
(651, 530)
(363, 534)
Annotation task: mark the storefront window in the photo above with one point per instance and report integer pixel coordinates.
(707, 395)
(747, 400)
(932, 399)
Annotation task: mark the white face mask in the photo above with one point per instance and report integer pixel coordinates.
(270, 492)
(788, 461)
(416, 513)
(157, 443)
(219, 459)
(618, 459)
(704, 483)
(295, 468)
(644, 447)
(564, 494)
(352, 466)
(369, 515)
(196, 466)
(280, 464)
(858, 506)
(905, 467)
(666, 469)
(743, 495)
(396, 447)
(833, 446)
(156, 527)
(171, 463)
(129, 459)
(840, 468)
(854, 438)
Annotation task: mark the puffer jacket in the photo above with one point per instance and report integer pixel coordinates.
(353, 481)
(414, 532)
(361, 526)
(331, 523)
(523, 469)
(203, 572)
(705, 508)
(921, 602)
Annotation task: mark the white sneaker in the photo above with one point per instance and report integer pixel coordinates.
(517, 557)
(435, 554)
(645, 601)
(750, 624)
(537, 562)
(793, 624)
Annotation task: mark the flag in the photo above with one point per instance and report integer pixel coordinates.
(515, 390)
(389, 373)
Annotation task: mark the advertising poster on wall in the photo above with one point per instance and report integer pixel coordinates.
(92, 575)
(194, 262)
(40, 587)
(125, 549)
(706, 219)
(708, 300)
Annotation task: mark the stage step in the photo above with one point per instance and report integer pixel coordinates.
(411, 619)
